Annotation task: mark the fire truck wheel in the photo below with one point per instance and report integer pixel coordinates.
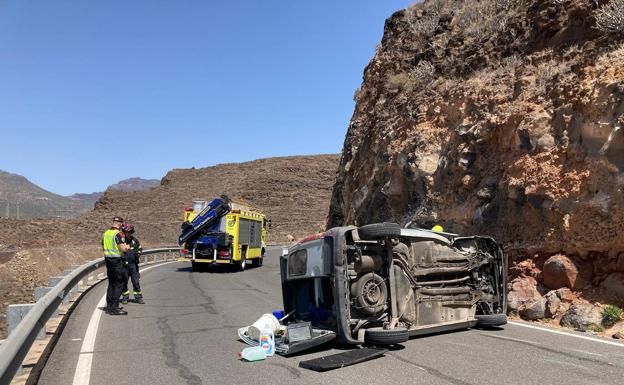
(243, 262)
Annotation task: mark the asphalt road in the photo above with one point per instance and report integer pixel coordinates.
(186, 334)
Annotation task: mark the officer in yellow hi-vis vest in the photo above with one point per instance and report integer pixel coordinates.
(114, 246)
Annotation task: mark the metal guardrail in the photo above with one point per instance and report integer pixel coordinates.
(14, 349)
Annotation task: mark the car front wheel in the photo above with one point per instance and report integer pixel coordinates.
(486, 320)
(381, 336)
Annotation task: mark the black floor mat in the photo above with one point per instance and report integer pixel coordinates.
(341, 360)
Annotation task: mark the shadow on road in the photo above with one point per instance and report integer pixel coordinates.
(224, 269)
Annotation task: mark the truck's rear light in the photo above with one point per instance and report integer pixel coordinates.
(224, 253)
(184, 251)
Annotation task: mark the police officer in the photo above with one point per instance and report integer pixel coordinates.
(132, 268)
(113, 244)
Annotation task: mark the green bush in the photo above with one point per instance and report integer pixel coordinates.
(596, 328)
(612, 314)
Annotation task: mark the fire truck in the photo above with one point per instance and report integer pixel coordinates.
(223, 232)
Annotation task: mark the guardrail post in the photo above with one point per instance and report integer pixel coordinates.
(14, 315)
(145, 259)
(39, 293)
(53, 282)
(72, 291)
(155, 255)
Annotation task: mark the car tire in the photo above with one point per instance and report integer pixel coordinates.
(379, 230)
(381, 336)
(486, 320)
(370, 293)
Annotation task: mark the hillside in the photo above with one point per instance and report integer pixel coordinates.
(135, 184)
(20, 198)
(502, 118)
(293, 191)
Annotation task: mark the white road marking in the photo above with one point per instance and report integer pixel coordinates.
(82, 375)
(76, 339)
(544, 329)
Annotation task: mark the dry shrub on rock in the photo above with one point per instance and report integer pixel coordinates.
(610, 17)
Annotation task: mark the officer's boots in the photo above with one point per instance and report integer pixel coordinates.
(125, 296)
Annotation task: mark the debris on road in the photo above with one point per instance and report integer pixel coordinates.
(342, 360)
(254, 353)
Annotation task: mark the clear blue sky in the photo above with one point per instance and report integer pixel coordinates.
(92, 92)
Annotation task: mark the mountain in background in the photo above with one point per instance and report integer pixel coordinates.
(135, 184)
(20, 198)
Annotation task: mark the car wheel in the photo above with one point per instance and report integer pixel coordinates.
(381, 336)
(379, 230)
(491, 319)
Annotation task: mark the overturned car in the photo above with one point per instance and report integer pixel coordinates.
(381, 284)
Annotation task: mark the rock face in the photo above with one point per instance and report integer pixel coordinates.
(498, 118)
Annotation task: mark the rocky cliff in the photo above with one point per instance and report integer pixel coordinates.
(499, 117)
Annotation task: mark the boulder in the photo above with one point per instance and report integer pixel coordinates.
(620, 263)
(534, 310)
(566, 295)
(523, 290)
(617, 330)
(582, 317)
(553, 303)
(613, 285)
(559, 271)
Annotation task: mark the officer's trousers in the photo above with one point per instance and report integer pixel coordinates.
(132, 272)
(115, 272)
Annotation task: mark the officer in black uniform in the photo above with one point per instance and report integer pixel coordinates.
(132, 257)
(114, 246)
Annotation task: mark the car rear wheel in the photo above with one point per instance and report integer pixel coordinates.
(381, 336)
(491, 319)
(379, 230)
